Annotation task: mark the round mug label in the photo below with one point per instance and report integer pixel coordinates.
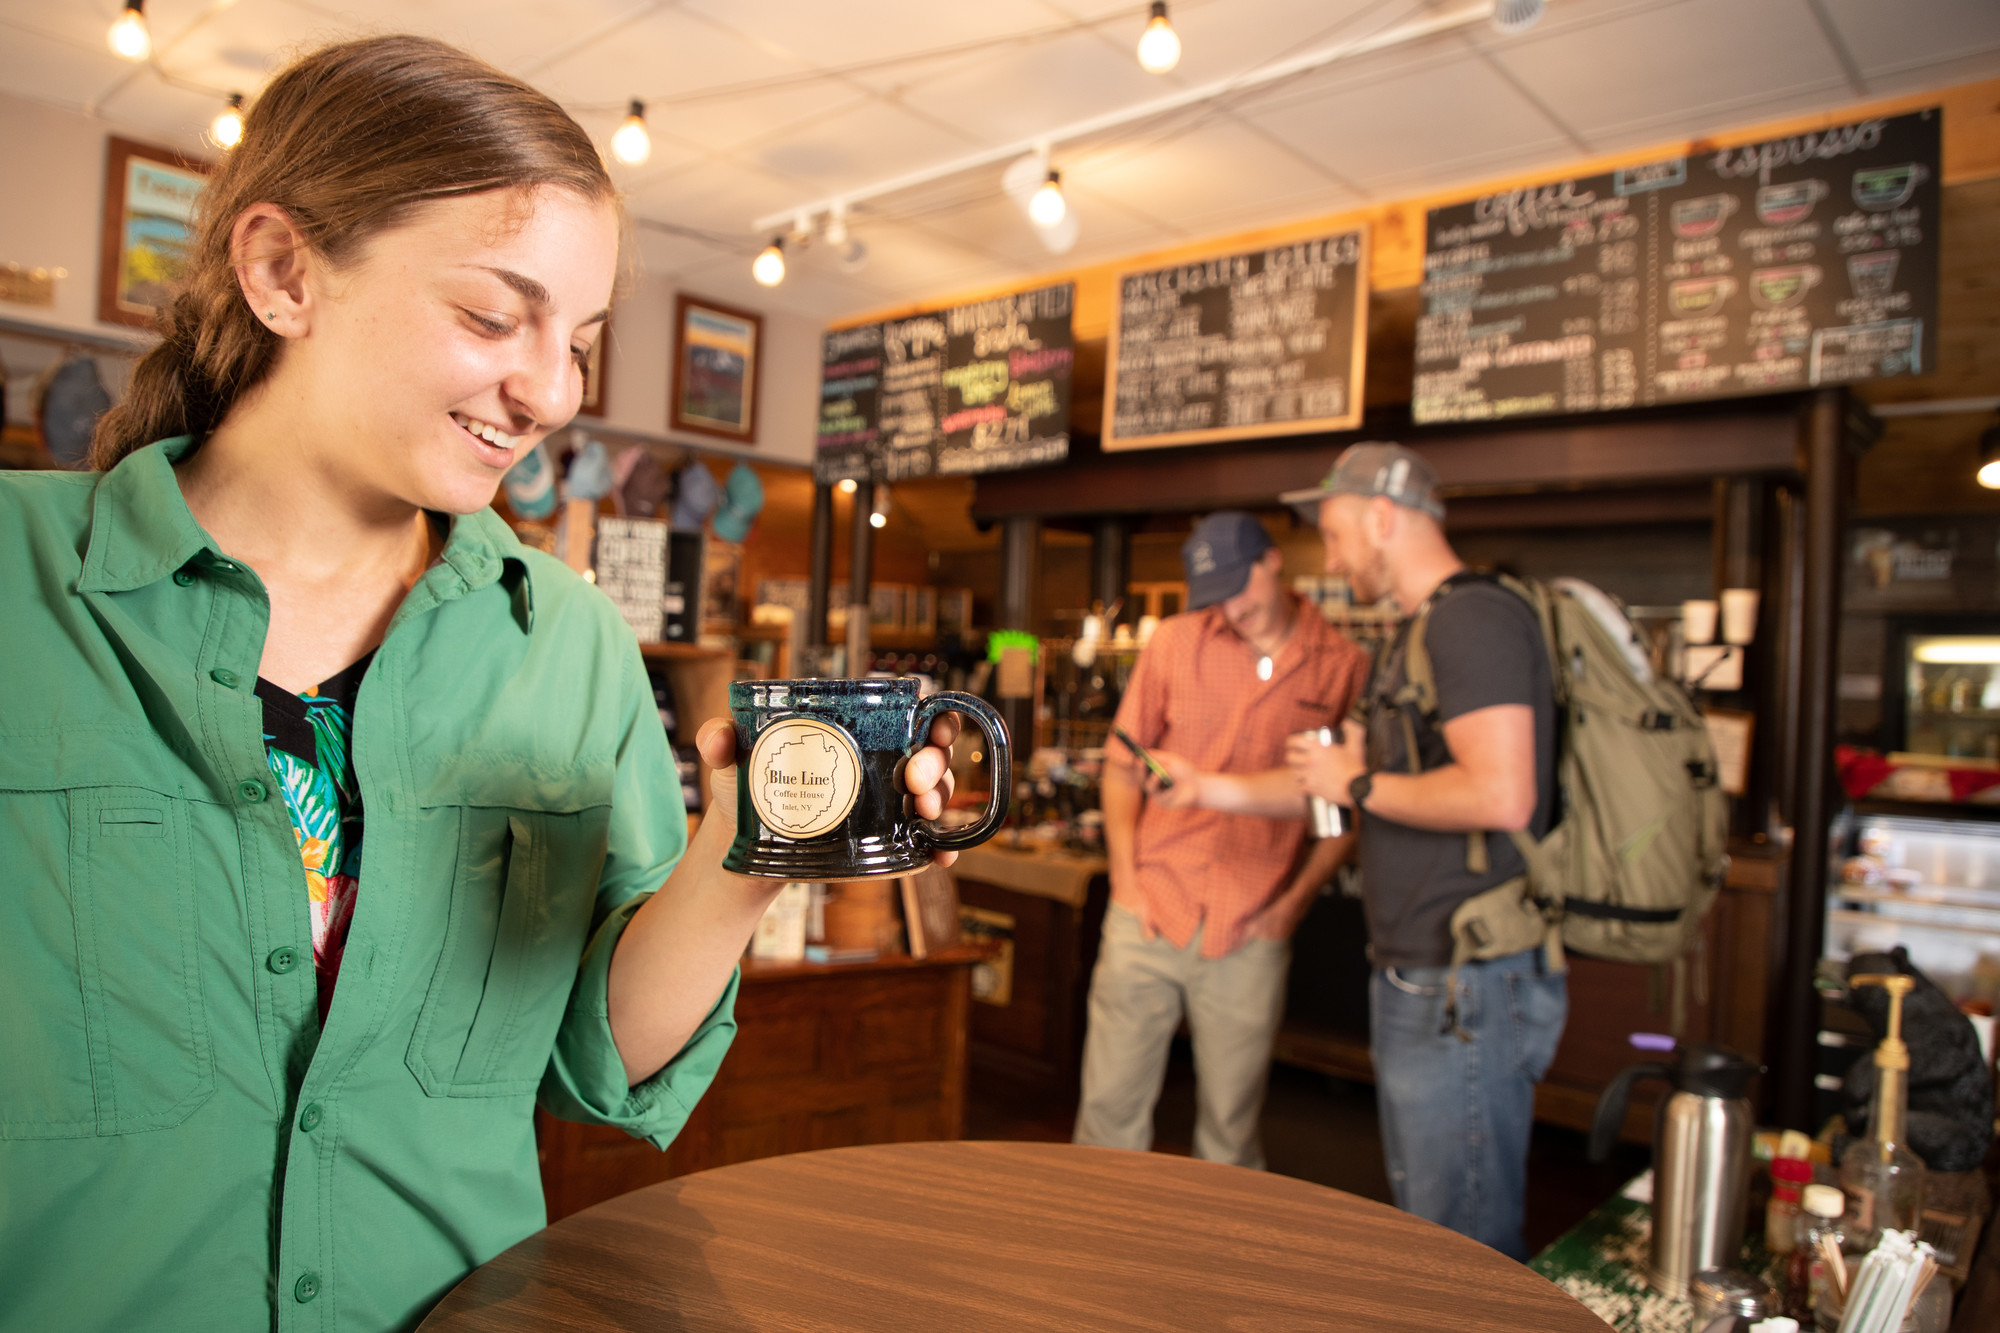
(804, 776)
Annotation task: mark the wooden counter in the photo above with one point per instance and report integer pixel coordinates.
(1031, 1047)
(826, 1056)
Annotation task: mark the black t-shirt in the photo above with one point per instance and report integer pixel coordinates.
(1486, 649)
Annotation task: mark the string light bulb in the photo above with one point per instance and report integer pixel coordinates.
(1159, 45)
(130, 38)
(878, 513)
(847, 485)
(1989, 457)
(769, 266)
(631, 144)
(1048, 206)
(226, 130)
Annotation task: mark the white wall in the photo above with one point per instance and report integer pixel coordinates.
(641, 375)
(51, 207)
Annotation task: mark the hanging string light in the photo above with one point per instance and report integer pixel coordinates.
(226, 130)
(878, 513)
(632, 144)
(130, 38)
(1159, 45)
(769, 266)
(1048, 206)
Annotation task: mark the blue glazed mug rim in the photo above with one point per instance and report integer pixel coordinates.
(742, 692)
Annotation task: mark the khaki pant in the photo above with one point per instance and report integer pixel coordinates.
(1138, 993)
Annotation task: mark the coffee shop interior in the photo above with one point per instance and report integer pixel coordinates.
(941, 327)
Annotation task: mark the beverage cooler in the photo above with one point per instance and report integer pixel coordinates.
(1941, 691)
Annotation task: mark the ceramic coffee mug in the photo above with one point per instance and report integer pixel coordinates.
(1695, 218)
(1879, 189)
(1872, 274)
(1784, 286)
(1780, 205)
(1691, 296)
(819, 778)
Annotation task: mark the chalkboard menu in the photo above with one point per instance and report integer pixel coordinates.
(981, 387)
(1268, 342)
(1775, 266)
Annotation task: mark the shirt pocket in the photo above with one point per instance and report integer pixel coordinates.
(106, 1031)
(522, 895)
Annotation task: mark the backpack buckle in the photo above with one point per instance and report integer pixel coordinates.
(1657, 720)
(1701, 772)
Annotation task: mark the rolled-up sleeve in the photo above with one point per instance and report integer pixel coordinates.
(585, 1079)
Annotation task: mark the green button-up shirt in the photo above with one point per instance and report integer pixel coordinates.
(181, 1145)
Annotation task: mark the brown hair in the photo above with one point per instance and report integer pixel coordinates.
(348, 140)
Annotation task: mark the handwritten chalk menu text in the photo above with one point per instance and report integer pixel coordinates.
(981, 387)
(1269, 342)
(1770, 267)
(850, 386)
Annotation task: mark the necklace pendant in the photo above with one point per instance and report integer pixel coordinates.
(1264, 666)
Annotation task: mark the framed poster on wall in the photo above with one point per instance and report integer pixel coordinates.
(717, 350)
(149, 195)
(596, 367)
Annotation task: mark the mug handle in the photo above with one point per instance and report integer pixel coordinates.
(981, 712)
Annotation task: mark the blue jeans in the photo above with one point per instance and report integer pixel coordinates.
(1455, 1112)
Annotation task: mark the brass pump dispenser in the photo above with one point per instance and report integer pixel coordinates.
(1884, 1180)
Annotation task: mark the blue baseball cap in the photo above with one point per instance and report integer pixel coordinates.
(1218, 555)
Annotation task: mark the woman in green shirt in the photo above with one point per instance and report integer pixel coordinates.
(249, 1077)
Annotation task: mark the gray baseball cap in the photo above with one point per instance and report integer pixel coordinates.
(1376, 467)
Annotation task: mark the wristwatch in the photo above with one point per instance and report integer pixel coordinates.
(1357, 790)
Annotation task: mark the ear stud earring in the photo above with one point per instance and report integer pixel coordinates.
(270, 314)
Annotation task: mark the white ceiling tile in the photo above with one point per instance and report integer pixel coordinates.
(720, 196)
(872, 31)
(1018, 94)
(1886, 38)
(1647, 66)
(54, 68)
(1221, 41)
(664, 54)
(856, 145)
(1217, 160)
(1455, 111)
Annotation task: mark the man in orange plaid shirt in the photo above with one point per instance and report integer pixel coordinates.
(1203, 903)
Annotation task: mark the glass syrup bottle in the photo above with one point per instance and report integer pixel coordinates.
(1884, 1181)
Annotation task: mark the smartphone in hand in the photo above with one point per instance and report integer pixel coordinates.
(1152, 765)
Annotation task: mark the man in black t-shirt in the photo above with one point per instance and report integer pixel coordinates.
(1456, 1098)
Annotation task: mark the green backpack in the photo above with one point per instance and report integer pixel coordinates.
(1637, 853)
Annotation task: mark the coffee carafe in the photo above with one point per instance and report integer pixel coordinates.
(1701, 1157)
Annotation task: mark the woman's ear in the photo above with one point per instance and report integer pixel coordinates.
(274, 268)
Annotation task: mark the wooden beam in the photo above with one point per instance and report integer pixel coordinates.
(1691, 445)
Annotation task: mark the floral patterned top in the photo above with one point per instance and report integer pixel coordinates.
(308, 738)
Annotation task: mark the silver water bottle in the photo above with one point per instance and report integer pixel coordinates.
(1324, 818)
(1701, 1158)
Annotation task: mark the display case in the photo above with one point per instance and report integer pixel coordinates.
(1931, 885)
(1941, 687)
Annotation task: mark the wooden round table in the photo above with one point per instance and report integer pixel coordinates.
(1000, 1236)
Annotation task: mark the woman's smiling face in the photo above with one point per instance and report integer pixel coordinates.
(456, 342)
